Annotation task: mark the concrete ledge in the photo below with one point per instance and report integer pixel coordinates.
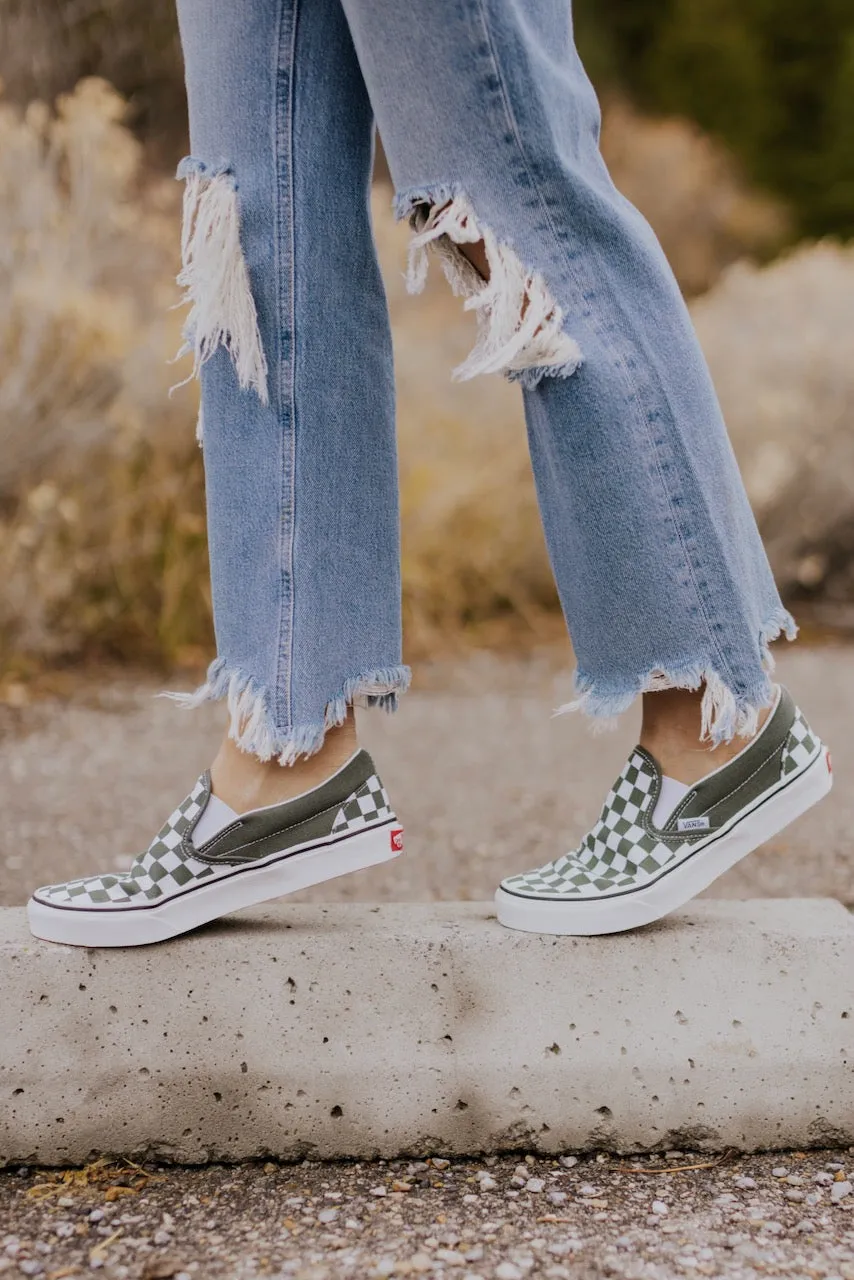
(375, 1031)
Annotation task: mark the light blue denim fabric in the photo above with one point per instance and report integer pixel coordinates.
(483, 106)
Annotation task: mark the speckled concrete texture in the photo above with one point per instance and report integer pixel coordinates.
(358, 1031)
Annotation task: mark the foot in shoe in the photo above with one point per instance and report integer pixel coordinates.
(628, 871)
(344, 824)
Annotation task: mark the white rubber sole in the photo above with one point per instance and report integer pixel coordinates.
(747, 831)
(279, 875)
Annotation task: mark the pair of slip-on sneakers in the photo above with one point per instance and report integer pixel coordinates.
(626, 871)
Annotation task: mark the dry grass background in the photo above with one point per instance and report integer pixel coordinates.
(102, 545)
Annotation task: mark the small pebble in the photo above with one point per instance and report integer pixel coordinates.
(588, 1190)
(660, 1208)
(745, 1184)
(487, 1183)
(652, 1220)
(534, 1185)
(441, 1164)
(569, 1162)
(31, 1267)
(162, 1237)
(556, 1197)
(833, 1165)
(823, 1178)
(378, 1191)
(794, 1181)
(796, 1197)
(805, 1226)
(780, 1172)
(507, 1271)
(327, 1215)
(840, 1190)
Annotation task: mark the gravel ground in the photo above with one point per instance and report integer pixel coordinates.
(485, 781)
(493, 1219)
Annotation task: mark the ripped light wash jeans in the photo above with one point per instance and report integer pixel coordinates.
(490, 126)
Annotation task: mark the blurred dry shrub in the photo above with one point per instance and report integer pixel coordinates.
(779, 342)
(102, 543)
(692, 192)
(101, 535)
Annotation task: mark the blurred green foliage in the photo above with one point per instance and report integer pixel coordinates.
(773, 78)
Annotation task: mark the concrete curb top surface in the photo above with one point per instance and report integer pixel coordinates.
(379, 1031)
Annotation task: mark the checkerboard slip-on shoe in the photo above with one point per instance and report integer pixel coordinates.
(628, 872)
(345, 824)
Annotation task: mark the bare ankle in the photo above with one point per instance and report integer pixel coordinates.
(244, 782)
(672, 720)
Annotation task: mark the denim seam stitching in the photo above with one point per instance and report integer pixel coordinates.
(293, 368)
(511, 120)
(284, 140)
(280, 399)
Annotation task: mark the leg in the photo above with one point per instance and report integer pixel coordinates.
(290, 334)
(491, 129)
(657, 558)
(300, 468)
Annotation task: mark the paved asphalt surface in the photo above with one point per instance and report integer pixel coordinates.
(486, 782)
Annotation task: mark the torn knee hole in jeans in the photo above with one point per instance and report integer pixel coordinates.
(215, 278)
(520, 325)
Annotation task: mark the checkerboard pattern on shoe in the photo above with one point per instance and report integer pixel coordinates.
(364, 807)
(624, 851)
(802, 746)
(620, 850)
(165, 866)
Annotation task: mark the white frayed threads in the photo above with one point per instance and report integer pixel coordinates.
(722, 717)
(252, 725)
(216, 282)
(520, 326)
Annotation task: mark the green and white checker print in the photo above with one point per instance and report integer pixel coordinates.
(619, 852)
(802, 746)
(363, 808)
(165, 867)
(623, 851)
